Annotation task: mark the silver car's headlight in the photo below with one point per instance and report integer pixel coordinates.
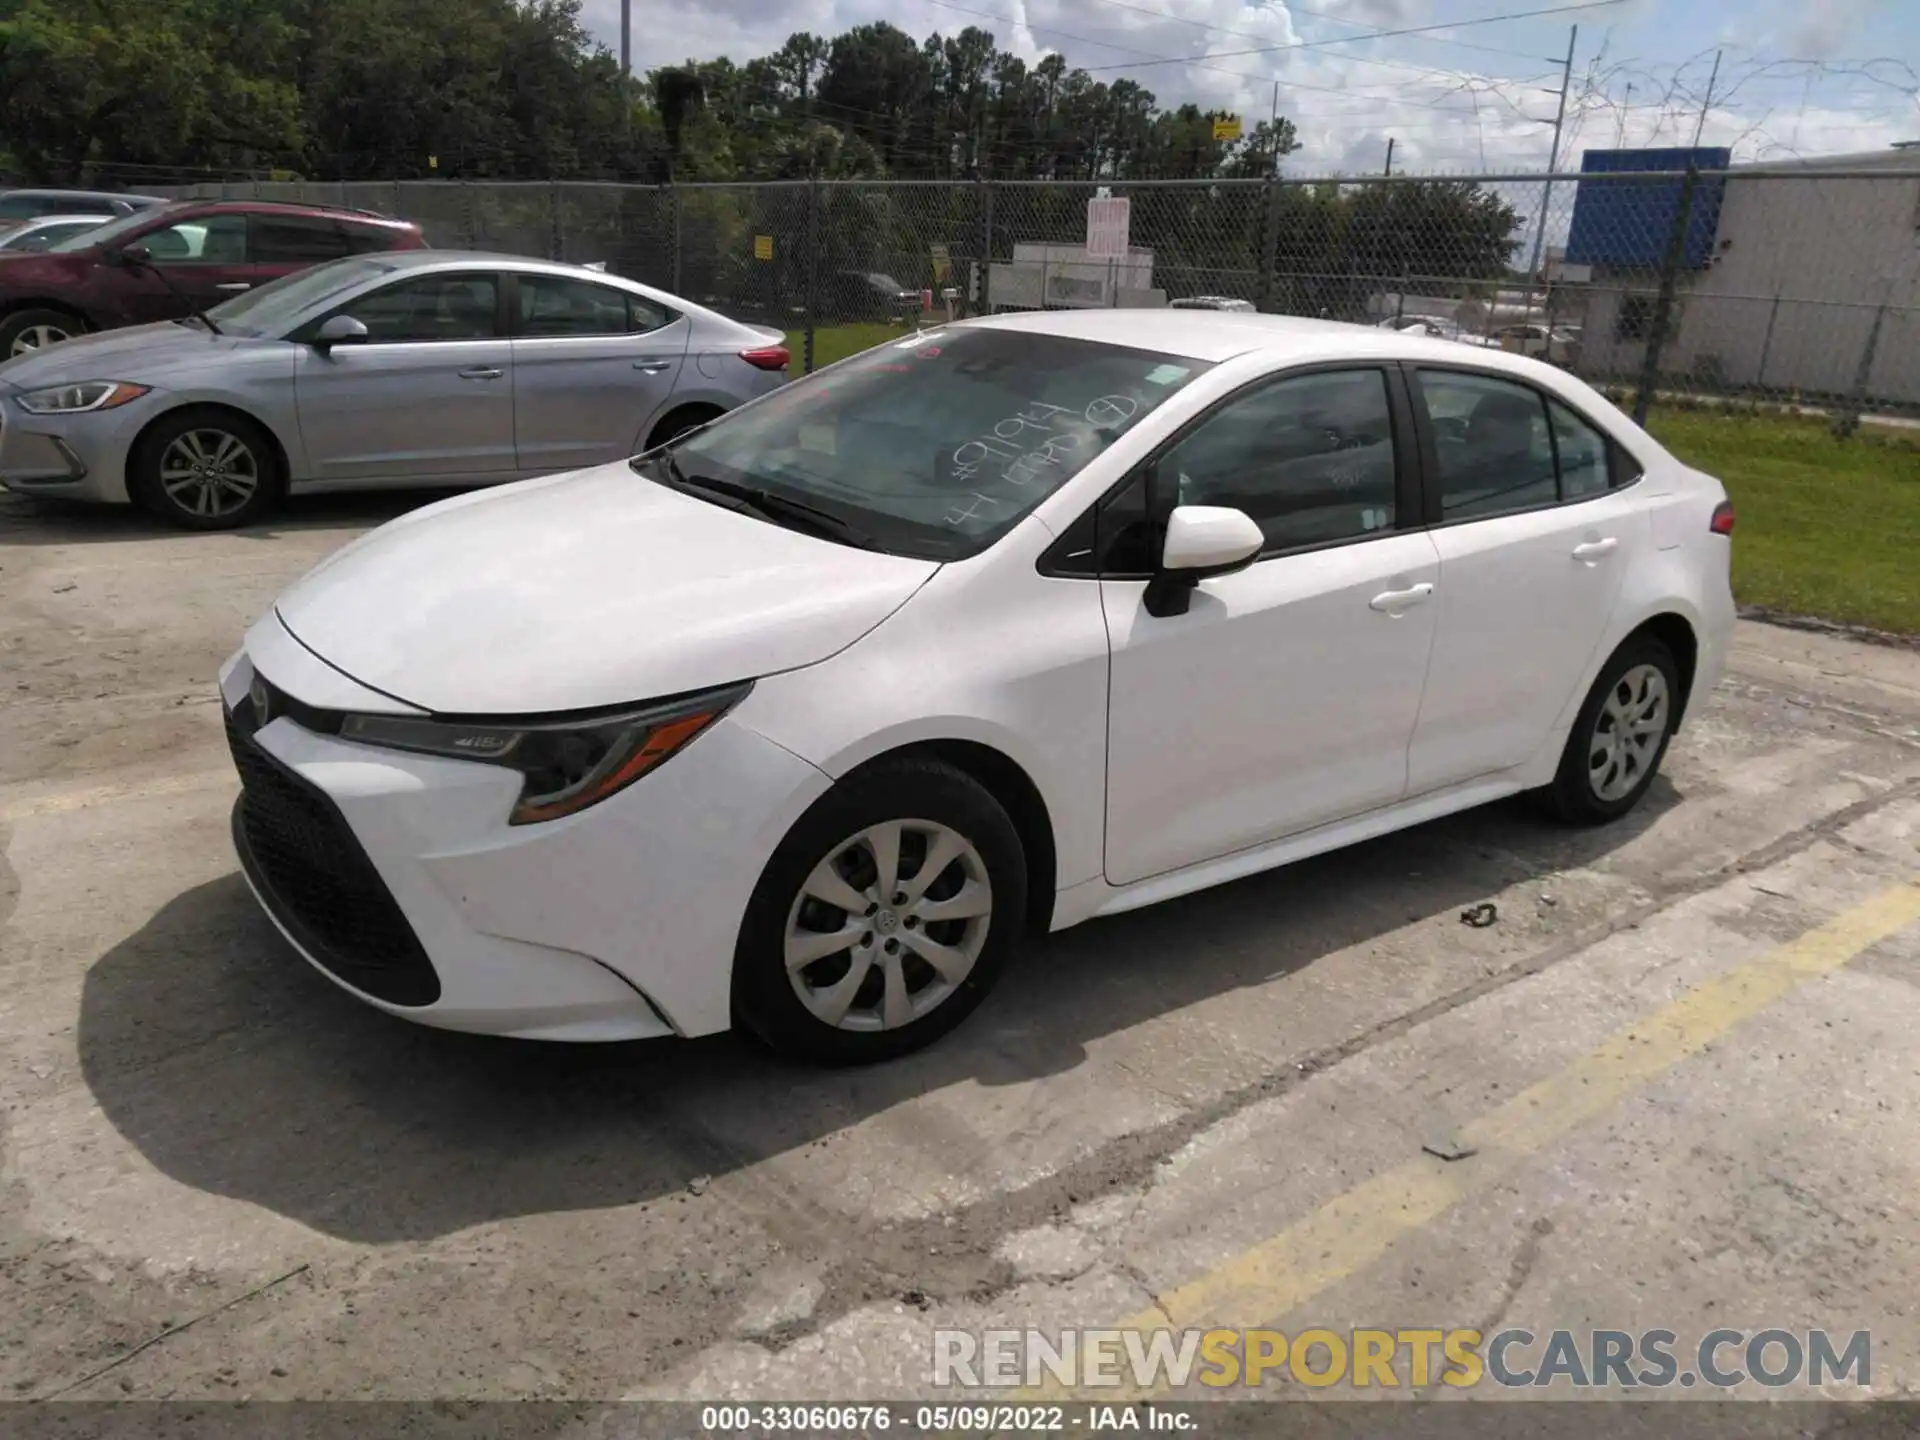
(82, 397)
(567, 763)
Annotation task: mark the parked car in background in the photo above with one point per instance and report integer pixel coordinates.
(805, 722)
(869, 295)
(165, 262)
(411, 368)
(1213, 302)
(47, 231)
(1429, 325)
(32, 204)
(1556, 344)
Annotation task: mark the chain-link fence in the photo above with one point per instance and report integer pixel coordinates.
(1790, 286)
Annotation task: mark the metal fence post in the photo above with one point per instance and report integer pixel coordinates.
(557, 238)
(1766, 342)
(1848, 420)
(1270, 245)
(812, 263)
(1663, 303)
(469, 237)
(986, 247)
(396, 195)
(673, 195)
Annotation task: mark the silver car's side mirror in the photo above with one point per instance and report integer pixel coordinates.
(339, 330)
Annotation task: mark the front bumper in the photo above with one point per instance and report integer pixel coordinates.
(398, 877)
(76, 457)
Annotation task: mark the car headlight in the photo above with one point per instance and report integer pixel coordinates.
(568, 764)
(81, 398)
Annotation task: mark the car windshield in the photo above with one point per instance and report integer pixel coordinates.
(938, 445)
(277, 306)
(885, 282)
(111, 232)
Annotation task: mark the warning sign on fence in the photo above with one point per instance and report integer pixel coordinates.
(763, 247)
(1108, 219)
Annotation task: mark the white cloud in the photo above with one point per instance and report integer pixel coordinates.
(1345, 100)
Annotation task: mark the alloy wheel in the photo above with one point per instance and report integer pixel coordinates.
(209, 472)
(1628, 732)
(888, 925)
(37, 337)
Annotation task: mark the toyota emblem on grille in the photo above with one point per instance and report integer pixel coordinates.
(258, 694)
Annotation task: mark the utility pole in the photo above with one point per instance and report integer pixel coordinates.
(1389, 169)
(1553, 156)
(626, 40)
(1707, 104)
(1620, 130)
(1273, 131)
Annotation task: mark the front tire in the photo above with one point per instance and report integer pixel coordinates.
(883, 919)
(203, 469)
(1619, 737)
(27, 331)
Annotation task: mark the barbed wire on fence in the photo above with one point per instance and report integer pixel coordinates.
(1789, 286)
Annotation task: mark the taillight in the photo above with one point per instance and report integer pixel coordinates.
(1722, 522)
(770, 357)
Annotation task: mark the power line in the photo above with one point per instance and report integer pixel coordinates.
(1377, 35)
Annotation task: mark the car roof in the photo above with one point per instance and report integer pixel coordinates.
(495, 260)
(236, 206)
(1217, 335)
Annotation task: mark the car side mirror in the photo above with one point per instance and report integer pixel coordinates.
(339, 330)
(1201, 541)
(131, 257)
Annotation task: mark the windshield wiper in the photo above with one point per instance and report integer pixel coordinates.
(768, 504)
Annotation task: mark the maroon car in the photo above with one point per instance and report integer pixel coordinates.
(160, 264)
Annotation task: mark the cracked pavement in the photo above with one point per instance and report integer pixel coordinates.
(196, 1128)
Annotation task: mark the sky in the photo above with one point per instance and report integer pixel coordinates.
(1796, 79)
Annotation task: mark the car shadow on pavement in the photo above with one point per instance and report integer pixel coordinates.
(235, 1069)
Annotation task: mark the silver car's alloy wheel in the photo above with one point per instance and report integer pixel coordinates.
(37, 337)
(209, 472)
(1627, 732)
(888, 925)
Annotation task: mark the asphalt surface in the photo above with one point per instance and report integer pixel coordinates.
(1682, 1055)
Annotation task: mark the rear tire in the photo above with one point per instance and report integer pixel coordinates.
(205, 469)
(909, 965)
(1619, 737)
(26, 331)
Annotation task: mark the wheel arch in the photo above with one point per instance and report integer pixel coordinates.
(13, 306)
(696, 411)
(1004, 778)
(1677, 633)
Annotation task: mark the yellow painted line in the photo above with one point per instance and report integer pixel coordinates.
(1351, 1231)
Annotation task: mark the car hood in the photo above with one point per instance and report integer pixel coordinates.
(578, 591)
(142, 353)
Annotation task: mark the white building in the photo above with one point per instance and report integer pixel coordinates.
(1806, 277)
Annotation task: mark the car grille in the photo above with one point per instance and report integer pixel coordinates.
(315, 877)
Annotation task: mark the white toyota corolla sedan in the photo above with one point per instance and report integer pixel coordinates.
(804, 720)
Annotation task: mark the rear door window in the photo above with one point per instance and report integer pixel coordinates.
(296, 239)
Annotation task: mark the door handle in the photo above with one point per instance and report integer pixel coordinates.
(234, 285)
(1594, 549)
(480, 372)
(1394, 601)
(652, 367)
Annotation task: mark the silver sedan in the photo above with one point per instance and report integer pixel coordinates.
(405, 369)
